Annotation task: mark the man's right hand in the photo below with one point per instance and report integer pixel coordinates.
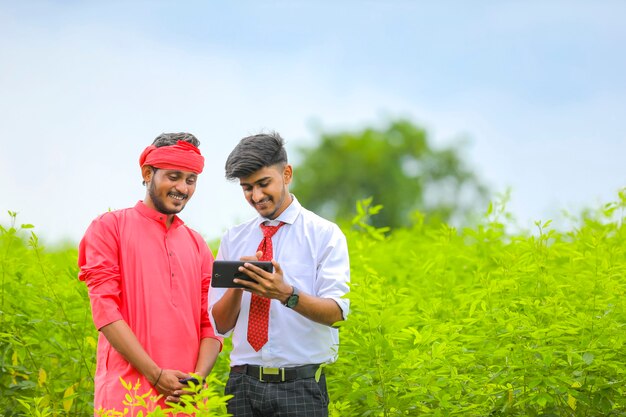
(226, 310)
(169, 384)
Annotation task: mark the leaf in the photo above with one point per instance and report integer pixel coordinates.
(24, 404)
(376, 209)
(42, 377)
(91, 341)
(571, 401)
(68, 399)
(543, 398)
(127, 385)
(473, 307)
(318, 374)
(588, 358)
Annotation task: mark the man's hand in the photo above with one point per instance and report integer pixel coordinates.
(267, 284)
(226, 310)
(169, 385)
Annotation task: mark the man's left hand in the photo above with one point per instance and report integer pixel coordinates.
(267, 284)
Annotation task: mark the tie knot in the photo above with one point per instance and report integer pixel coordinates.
(269, 231)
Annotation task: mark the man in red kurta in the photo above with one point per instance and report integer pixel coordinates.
(148, 277)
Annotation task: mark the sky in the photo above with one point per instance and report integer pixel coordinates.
(535, 89)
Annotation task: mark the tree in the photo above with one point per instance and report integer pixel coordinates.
(396, 166)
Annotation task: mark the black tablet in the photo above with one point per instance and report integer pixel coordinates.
(225, 271)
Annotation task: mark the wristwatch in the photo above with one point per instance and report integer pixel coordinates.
(293, 299)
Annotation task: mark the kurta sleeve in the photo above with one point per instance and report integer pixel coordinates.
(216, 294)
(206, 328)
(99, 268)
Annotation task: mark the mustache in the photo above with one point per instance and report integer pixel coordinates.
(175, 194)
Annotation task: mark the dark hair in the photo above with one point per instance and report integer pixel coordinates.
(253, 153)
(169, 139)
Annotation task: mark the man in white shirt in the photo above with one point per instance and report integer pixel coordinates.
(276, 354)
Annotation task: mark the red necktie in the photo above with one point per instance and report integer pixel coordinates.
(260, 306)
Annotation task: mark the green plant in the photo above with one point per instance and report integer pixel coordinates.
(473, 322)
(202, 400)
(478, 322)
(47, 340)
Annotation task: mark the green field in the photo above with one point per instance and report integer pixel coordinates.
(471, 322)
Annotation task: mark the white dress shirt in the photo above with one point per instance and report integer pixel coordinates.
(313, 254)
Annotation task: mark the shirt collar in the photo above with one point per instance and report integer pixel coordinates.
(156, 215)
(288, 216)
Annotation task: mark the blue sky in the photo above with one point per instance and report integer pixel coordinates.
(536, 89)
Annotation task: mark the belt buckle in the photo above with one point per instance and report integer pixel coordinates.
(271, 371)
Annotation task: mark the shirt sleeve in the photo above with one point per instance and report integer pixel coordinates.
(333, 275)
(99, 269)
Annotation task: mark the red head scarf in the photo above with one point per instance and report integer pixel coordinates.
(182, 156)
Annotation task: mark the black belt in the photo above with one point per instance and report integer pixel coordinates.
(265, 374)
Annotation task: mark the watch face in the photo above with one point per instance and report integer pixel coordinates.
(292, 301)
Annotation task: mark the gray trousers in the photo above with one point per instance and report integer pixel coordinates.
(253, 398)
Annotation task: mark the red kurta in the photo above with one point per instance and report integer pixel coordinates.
(154, 278)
